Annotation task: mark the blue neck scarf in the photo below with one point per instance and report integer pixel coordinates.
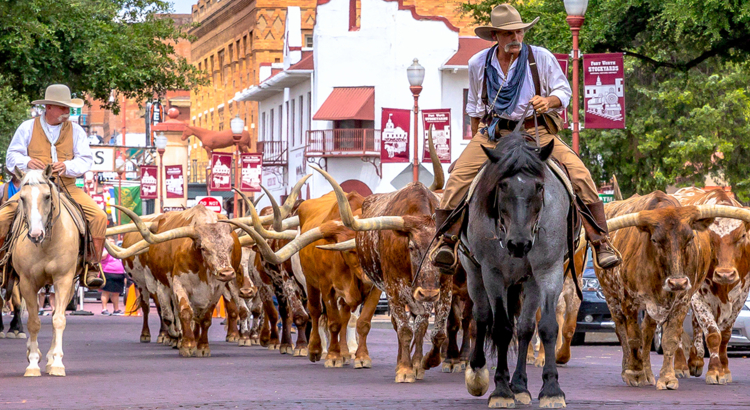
(12, 190)
(507, 100)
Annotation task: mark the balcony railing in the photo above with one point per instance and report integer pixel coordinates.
(351, 142)
(274, 152)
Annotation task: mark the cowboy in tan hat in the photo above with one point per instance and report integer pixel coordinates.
(52, 139)
(503, 81)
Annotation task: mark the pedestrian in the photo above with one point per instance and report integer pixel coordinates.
(115, 283)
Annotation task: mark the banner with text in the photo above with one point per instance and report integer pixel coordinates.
(394, 146)
(175, 181)
(562, 59)
(604, 91)
(252, 166)
(221, 171)
(439, 118)
(149, 181)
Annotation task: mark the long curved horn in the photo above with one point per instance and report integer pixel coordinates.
(437, 169)
(246, 241)
(624, 221)
(127, 228)
(182, 232)
(257, 200)
(289, 249)
(286, 209)
(723, 211)
(122, 253)
(340, 246)
(276, 210)
(244, 199)
(347, 217)
(616, 188)
(286, 235)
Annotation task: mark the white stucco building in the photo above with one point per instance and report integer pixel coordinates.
(323, 104)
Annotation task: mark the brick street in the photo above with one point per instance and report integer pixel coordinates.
(107, 368)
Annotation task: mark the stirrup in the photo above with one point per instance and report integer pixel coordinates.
(595, 255)
(86, 266)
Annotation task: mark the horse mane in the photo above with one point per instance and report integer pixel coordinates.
(512, 156)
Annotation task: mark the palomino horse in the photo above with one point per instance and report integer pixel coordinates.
(213, 140)
(45, 251)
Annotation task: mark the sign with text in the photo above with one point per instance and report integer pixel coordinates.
(104, 159)
(604, 91)
(212, 203)
(100, 201)
(175, 181)
(252, 166)
(441, 136)
(562, 59)
(221, 171)
(394, 137)
(173, 208)
(149, 181)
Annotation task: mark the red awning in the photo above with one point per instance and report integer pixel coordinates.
(348, 103)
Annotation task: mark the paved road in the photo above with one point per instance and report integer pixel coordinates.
(108, 369)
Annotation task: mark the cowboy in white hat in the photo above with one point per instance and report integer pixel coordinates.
(52, 139)
(503, 81)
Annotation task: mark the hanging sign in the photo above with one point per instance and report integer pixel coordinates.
(394, 137)
(149, 181)
(221, 171)
(562, 59)
(441, 136)
(252, 166)
(175, 181)
(604, 96)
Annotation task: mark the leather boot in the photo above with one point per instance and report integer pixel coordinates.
(444, 258)
(604, 252)
(93, 277)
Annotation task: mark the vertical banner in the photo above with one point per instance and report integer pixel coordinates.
(604, 96)
(562, 59)
(394, 146)
(221, 171)
(439, 118)
(175, 181)
(149, 181)
(252, 166)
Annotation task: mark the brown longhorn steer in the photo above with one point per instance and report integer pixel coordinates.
(666, 255)
(723, 293)
(191, 257)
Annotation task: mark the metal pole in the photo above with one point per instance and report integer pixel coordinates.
(161, 177)
(236, 176)
(124, 120)
(119, 197)
(415, 90)
(575, 23)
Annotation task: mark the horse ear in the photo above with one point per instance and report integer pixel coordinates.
(490, 154)
(547, 150)
(48, 171)
(19, 174)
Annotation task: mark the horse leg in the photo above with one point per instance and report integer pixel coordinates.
(64, 292)
(550, 285)
(16, 324)
(527, 323)
(33, 355)
(477, 375)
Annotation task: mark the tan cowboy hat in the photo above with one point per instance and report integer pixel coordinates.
(503, 17)
(59, 94)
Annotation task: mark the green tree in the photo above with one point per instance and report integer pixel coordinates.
(686, 78)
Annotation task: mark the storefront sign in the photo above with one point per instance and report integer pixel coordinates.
(221, 171)
(252, 165)
(604, 91)
(212, 203)
(395, 135)
(440, 119)
(175, 181)
(562, 59)
(149, 181)
(104, 159)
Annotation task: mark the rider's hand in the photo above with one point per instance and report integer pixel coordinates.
(35, 164)
(541, 104)
(59, 167)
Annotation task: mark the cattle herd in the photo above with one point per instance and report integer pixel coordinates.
(327, 260)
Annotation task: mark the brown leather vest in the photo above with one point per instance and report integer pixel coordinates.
(39, 146)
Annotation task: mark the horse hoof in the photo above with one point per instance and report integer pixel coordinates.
(365, 363)
(147, 339)
(552, 402)
(10, 335)
(21, 335)
(502, 403)
(33, 372)
(523, 398)
(477, 382)
(2, 335)
(56, 371)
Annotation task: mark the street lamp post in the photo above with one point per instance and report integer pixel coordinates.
(575, 9)
(237, 126)
(161, 146)
(415, 74)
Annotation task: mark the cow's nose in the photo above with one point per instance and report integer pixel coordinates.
(426, 295)
(519, 249)
(225, 275)
(726, 276)
(677, 284)
(248, 293)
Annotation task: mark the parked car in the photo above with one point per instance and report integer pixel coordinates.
(593, 315)
(382, 307)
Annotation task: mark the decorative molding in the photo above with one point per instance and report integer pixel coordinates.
(414, 14)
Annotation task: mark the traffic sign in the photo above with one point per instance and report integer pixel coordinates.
(213, 203)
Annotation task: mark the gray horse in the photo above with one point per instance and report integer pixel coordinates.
(515, 233)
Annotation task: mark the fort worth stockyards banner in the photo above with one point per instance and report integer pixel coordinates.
(252, 166)
(149, 181)
(562, 59)
(175, 181)
(440, 119)
(221, 171)
(394, 145)
(603, 95)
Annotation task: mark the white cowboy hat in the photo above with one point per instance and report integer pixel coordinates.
(503, 17)
(59, 94)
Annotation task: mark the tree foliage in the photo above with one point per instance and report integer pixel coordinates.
(687, 87)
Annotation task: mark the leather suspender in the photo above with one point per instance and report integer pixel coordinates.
(534, 72)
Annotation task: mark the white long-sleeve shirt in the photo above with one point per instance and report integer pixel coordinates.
(552, 81)
(18, 150)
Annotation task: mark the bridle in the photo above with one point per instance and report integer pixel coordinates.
(55, 209)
